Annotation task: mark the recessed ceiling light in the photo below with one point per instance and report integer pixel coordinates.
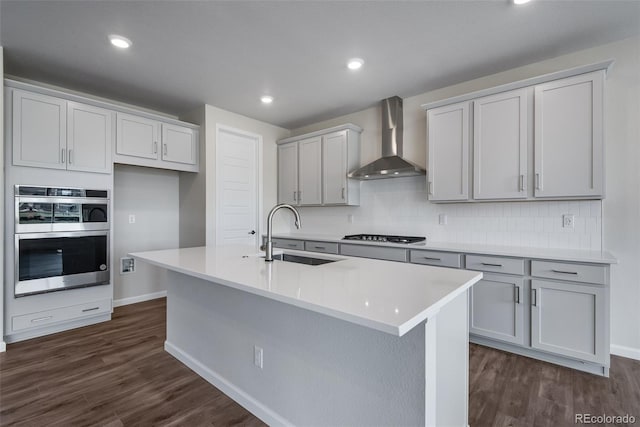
(355, 63)
(518, 2)
(266, 99)
(119, 41)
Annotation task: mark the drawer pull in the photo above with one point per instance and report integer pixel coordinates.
(488, 264)
(319, 247)
(432, 259)
(41, 319)
(564, 272)
(90, 309)
(291, 245)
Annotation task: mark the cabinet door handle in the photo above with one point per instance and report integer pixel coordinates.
(70, 156)
(534, 298)
(342, 193)
(155, 147)
(63, 152)
(90, 309)
(538, 182)
(430, 188)
(294, 196)
(165, 148)
(517, 294)
(432, 259)
(522, 184)
(488, 264)
(564, 272)
(41, 319)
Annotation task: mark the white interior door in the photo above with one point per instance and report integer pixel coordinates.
(237, 190)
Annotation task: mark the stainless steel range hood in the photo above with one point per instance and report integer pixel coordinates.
(391, 164)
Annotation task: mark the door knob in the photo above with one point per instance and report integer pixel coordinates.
(252, 232)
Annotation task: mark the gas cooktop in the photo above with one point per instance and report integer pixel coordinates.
(385, 238)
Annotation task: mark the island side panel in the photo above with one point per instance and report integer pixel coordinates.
(317, 370)
(452, 362)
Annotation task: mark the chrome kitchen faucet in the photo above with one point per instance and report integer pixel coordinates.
(268, 247)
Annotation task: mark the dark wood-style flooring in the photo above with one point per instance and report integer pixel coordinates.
(118, 374)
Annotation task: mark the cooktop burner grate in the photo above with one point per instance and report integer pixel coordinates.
(385, 238)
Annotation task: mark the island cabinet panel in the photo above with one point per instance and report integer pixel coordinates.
(39, 130)
(500, 146)
(569, 149)
(569, 319)
(497, 308)
(448, 152)
(376, 252)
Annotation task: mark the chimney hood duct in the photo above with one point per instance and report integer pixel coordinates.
(391, 164)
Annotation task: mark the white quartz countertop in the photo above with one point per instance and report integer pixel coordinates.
(574, 255)
(388, 296)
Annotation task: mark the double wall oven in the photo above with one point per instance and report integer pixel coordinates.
(61, 238)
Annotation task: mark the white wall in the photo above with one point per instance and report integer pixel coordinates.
(152, 195)
(193, 190)
(611, 225)
(270, 134)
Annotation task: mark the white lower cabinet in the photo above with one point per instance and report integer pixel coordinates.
(497, 308)
(569, 319)
(63, 314)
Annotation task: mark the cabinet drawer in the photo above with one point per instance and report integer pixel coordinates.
(389, 254)
(568, 271)
(49, 317)
(495, 264)
(325, 247)
(288, 244)
(442, 259)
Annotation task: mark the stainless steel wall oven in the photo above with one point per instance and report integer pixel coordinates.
(61, 238)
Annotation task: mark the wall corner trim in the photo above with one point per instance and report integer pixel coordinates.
(3, 346)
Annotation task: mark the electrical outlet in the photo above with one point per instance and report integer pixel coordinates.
(568, 221)
(132, 219)
(127, 265)
(442, 219)
(257, 356)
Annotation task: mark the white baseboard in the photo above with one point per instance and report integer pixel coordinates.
(3, 346)
(630, 352)
(239, 396)
(139, 298)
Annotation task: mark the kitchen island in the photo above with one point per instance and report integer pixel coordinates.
(351, 342)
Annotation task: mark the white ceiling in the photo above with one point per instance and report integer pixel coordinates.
(227, 54)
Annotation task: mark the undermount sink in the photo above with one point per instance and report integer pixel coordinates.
(303, 259)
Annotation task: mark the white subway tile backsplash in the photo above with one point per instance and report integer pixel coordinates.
(400, 206)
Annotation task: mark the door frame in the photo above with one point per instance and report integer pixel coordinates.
(220, 128)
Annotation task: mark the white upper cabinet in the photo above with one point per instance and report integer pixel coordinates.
(334, 153)
(137, 136)
(540, 138)
(54, 133)
(569, 159)
(153, 143)
(500, 146)
(288, 173)
(313, 168)
(179, 144)
(448, 152)
(89, 138)
(39, 130)
(310, 171)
